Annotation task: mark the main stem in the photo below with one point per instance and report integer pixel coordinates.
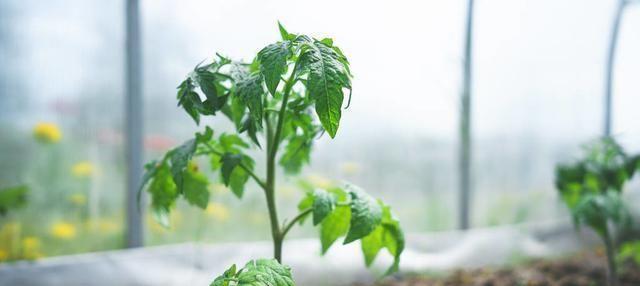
(612, 274)
(273, 141)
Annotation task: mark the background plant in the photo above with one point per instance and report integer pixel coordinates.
(592, 190)
(291, 93)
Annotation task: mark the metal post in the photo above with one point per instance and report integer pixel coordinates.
(613, 43)
(465, 126)
(133, 123)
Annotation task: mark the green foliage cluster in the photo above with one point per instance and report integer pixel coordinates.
(260, 272)
(12, 197)
(592, 190)
(288, 95)
(592, 187)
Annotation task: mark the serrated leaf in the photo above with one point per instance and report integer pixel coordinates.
(387, 235)
(326, 78)
(265, 272)
(273, 63)
(229, 163)
(284, 34)
(249, 89)
(323, 204)
(187, 98)
(366, 214)
(225, 278)
(196, 188)
(233, 171)
(12, 198)
(251, 129)
(179, 158)
(207, 81)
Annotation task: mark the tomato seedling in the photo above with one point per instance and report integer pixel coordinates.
(591, 188)
(291, 93)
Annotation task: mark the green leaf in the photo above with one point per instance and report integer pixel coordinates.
(179, 158)
(252, 130)
(327, 76)
(366, 214)
(323, 204)
(12, 198)
(284, 34)
(305, 204)
(387, 235)
(233, 174)
(187, 98)
(225, 278)
(296, 154)
(249, 89)
(335, 225)
(265, 272)
(196, 188)
(260, 272)
(240, 177)
(207, 81)
(229, 163)
(273, 63)
(149, 173)
(163, 193)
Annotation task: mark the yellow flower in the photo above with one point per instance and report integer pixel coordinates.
(319, 181)
(30, 243)
(218, 211)
(83, 169)
(350, 168)
(78, 199)
(4, 254)
(63, 230)
(219, 188)
(107, 226)
(31, 247)
(47, 132)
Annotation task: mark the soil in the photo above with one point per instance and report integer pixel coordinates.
(580, 270)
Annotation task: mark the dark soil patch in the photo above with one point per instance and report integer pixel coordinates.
(580, 270)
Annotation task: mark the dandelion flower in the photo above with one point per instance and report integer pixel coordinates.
(78, 199)
(4, 254)
(218, 211)
(83, 169)
(63, 230)
(31, 247)
(319, 181)
(47, 132)
(350, 168)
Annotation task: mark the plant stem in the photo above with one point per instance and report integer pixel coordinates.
(612, 274)
(288, 226)
(273, 140)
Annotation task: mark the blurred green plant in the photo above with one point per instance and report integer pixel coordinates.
(12, 197)
(271, 101)
(629, 251)
(591, 188)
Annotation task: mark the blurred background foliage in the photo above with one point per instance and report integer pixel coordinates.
(538, 97)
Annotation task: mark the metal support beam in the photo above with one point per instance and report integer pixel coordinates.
(133, 123)
(613, 43)
(465, 126)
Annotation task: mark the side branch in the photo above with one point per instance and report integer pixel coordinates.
(288, 226)
(243, 166)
